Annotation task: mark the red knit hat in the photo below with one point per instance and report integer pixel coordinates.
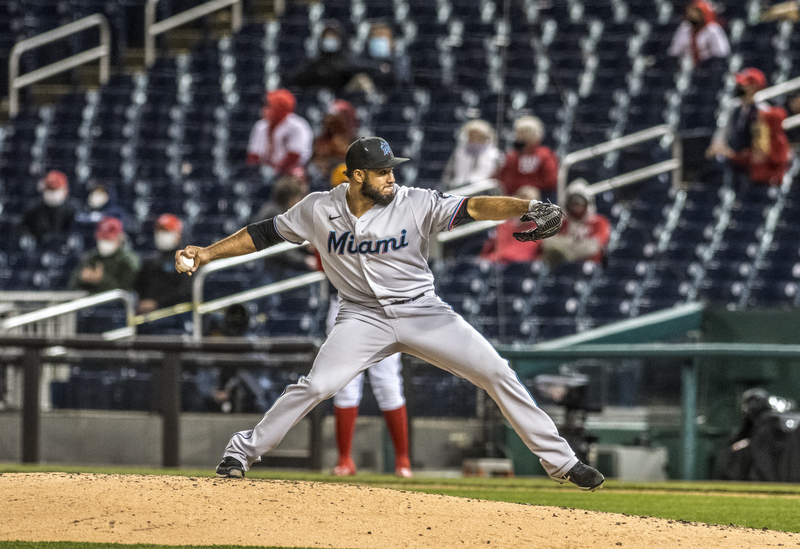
(55, 180)
(706, 9)
(108, 228)
(750, 76)
(169, 222)
(280, 103)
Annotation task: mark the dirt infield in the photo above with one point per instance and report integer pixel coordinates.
(194, 511)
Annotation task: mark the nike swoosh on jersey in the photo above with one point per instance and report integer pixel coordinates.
(332, 217)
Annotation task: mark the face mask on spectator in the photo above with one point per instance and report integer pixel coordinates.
(379, 47)
(739, 91)
(97, 199)
(519, 145)
(167, 240)
(107, 247)
(55, 197)
(330, 44)
(476, 149)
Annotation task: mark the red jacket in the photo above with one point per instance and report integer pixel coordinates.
(503, 248)
(537, 168)
(594, 226)
(766, 159)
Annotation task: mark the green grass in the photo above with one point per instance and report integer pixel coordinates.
(772, 506)
(773, 512)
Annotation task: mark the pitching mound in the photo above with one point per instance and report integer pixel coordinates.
(195, 511)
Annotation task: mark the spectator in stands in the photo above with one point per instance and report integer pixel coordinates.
(333, 68)
(756, 146)
(339, 129)
(384, 65)
(51, 219)
(699, 36)
(101, 201)
(238, 391)
(111, 265)
(502, 247)
(286, 192)
(530, 163)
(338, 175)
(584, 234)
(281, 140)
(475, 158)
(157, 283)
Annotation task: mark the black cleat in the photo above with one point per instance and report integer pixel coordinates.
(584, 477)
(230, 468)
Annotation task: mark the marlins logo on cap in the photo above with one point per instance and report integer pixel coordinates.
(370, 153)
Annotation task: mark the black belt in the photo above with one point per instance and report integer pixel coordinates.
(404, 301)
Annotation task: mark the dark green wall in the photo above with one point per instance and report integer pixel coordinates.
(721, 384)
(723, 381)
(751, 326)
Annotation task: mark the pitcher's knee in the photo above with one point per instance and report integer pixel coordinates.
(320, 390)
(496, 372)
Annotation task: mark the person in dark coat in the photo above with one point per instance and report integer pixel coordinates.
(51, 219)
(158, 284)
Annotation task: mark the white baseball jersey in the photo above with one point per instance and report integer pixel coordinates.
(381, 257)
(293, 134)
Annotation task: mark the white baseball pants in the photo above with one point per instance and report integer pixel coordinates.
(429, 329)
(386, 382)
(384, 377)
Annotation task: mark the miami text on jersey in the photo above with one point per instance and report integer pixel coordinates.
(337, 245)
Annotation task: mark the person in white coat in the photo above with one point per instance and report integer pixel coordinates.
(475, 158)
(699, 36)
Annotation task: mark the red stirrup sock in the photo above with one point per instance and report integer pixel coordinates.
(345, 427)
(397, 423)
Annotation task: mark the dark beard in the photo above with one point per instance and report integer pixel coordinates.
(370, 192)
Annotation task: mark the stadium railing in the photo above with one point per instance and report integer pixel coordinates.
(200, 308)
(153, 29)
(101, 52)
(664, 131)
(166, 355)
(71, 307)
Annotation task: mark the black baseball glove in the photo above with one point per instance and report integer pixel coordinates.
(548, 218)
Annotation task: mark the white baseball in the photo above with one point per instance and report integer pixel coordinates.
(185, 264)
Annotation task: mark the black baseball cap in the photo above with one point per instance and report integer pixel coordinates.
(370, 153)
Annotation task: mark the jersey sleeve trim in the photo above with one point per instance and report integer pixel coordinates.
(460, 215)
(264, 234)
(283, 237)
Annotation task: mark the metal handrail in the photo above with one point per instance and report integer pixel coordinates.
(70, 307)
(153, 29)
(466, 230)
(263, 291)
(475, 188)
(791, 122)
(201, 274)
(101, 52)
(777, 89)
(655, 132)
(634, 176)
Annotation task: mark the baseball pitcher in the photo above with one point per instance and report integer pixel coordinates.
(373, 238)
